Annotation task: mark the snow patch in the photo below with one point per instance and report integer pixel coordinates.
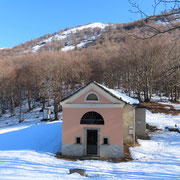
(175, 105)
(161, 120)
(37, 48)
(80, 45)
(68, 48)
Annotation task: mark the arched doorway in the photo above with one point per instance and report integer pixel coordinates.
(92, 134)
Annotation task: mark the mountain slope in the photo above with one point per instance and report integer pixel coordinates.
(86, 35)
(64, 35)
(68, 39)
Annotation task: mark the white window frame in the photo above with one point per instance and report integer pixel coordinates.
(85, 99)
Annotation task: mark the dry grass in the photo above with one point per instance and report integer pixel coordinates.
(161, 108)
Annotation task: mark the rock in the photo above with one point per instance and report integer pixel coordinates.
(151, 128)
(174, 129)
(82, 172)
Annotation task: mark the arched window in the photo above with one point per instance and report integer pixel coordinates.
(92, 97)
(92, 118)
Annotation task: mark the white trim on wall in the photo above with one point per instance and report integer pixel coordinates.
(92, 105)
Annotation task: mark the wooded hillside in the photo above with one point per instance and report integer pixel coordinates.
(118, 59)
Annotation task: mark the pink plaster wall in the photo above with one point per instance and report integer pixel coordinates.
(112, 127)
(80, 100)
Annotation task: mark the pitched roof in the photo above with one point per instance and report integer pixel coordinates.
(112, 92)
(76, 91)
(119, 95)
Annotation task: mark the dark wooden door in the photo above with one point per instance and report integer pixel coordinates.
(92, 142)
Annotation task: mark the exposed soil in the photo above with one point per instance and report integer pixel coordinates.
(127, 154)
(161, 108)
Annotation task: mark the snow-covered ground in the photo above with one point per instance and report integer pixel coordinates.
(175, 105)
(28, 153)
(7, 120)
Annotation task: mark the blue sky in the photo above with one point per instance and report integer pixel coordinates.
(23, 20)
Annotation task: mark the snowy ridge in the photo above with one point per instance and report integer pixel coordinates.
(65, 34)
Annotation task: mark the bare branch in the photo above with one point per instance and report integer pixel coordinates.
(169, 19)
(136, 6)
(156, 4)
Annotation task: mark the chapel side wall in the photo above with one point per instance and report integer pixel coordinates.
(140, 122)
(128, 120)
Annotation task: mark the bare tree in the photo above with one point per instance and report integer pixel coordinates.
(167, 21)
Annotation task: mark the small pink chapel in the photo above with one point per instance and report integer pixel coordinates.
(98, 121)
